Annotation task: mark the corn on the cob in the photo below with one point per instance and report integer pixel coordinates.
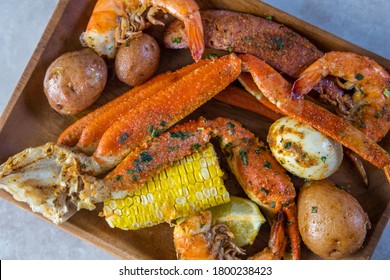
(192, 184)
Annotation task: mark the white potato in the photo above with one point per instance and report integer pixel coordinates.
(304, 151)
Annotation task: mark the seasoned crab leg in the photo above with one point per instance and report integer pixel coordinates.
(259, 174)
(238, 97)
(99, 122)
(167, 107)
(278, 90)
(71, 136)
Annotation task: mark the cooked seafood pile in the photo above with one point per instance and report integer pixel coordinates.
(119, 154)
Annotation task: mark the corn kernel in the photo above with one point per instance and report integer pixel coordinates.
(199, 196)
(208, 183)
(182, 170)
(212, 171)
(203, 163)
(206, 193)
(212, 201)
(196, 165)
(112, 204)
(198, 176)
(191, 198)
(128, 201)
(185, 191)
(120, 203)
(151, 187)
(189, 167)
(196, 156)
(191, 178)
(205, 173)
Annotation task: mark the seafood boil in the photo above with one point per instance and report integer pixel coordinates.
(116, 148)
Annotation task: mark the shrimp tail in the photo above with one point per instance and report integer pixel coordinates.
(292, 230)
(277, 242)
(194, 31)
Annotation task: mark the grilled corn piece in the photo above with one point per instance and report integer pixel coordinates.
(192, 184)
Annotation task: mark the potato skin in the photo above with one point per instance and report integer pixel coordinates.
(75, 80)
(331, 222)
(137, 60)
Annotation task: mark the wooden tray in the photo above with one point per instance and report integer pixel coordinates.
(28, 121)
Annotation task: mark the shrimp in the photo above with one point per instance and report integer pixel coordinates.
(278, 91)
(364, 104)
(198, 237)
(368, 107)
(116, 21)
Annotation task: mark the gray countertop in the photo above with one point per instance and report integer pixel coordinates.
(23, 236)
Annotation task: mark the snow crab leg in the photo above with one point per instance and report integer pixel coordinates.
(120, 129)
(86, 133)
(116, 21)
(258, 173)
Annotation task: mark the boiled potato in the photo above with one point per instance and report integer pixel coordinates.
(75, 80)
(137, 60)
(332, 223)
(304, 151)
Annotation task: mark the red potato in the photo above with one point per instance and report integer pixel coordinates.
(75, 80)
(137, 60)
(332, 223)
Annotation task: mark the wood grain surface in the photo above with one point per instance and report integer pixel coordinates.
(29, 121)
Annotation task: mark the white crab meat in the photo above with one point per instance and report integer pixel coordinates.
(51, 180)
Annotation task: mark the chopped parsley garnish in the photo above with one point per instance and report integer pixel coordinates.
(269, 18)
(314, 209)
(243, 156)
(122, 139)
(279, 43)
(230, 48)
(145, 157)
(287, 145)
(359, 76)
(267, 164)
(118, 177)
(212, 55)
(196, 146)
(177, 40)
(272, 204)
(323, 159)
(231, 125)
(264, 191)
(246, 39)
(180, 134)
(134, 178)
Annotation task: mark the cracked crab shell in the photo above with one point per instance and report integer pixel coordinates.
(304, 151)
